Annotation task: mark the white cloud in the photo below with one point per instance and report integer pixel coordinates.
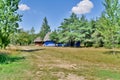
(23, 7)
(83, 7)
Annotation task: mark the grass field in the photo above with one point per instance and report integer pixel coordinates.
(53, 63)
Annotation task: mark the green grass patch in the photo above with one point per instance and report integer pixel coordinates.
(108, 74)
(6, 58)
(14, 66)
(14, 71)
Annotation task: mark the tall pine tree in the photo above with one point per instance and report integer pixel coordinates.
(44, 29)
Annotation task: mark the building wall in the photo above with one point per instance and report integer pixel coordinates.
(49, 43)
(39, 43)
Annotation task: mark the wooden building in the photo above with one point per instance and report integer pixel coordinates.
(48, 41)
(38, 41)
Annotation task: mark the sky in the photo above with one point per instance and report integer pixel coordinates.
(34, 11)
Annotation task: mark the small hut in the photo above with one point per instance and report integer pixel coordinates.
(38, 41)
(48, 41)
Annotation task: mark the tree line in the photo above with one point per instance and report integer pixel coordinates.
(103, 31)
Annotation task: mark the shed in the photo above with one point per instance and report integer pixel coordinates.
(38, 41)
(48, 41)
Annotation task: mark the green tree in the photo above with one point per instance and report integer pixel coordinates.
(32, 35)
(83, 31)
(8, 20)
(32, 31)
(74, 30)
(23, 37)
(108, 24)
(66, 30)
(44, 29)
(54, 36)
(97, 38)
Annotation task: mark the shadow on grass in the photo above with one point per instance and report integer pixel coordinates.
(116, 53)
(31, 50)
(6, 58)
(112, 52)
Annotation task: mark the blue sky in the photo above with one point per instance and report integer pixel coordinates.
(34, 11)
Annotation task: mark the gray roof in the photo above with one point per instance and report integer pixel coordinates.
(47, 37)
(38, 39)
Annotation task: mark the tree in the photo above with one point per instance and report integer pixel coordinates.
(74, 30)
(66, 30)
(83, 31)
(32, 35)
(97, 38)
(23, 37)
(8, 20)
(54, 36)
(32, 31)
(44, 29)
(108, 24)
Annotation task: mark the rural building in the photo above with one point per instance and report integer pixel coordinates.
(48, 41)
(38, 41)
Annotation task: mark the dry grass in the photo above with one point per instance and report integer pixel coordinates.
(53, 63)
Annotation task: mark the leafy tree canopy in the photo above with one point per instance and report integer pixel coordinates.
(8, 20)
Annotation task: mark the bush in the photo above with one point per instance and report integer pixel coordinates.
(4, 58)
